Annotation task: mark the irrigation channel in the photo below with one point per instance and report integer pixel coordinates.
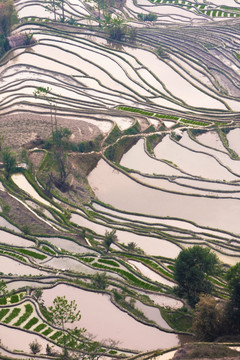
(163, 108)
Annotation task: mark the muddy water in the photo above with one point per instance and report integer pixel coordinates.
(118, 190)
(137, 159)
(117, 325)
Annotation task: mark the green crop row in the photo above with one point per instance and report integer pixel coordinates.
(47, 249)
(32, 254)
(40, 327)
(47, 331)
(25, 316)
(193, 122)
(129, 276)
(30, 323)
(147, 113)
(14, 313)
(3, 312)
(13, 255)
(156, 267)
(56, 335)
(108, 262)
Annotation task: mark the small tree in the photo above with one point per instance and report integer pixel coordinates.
(115, 27)
(109, 238)
(99, 281)
(132, 246)
(37, 294)
(9, 161)
(63, 312)
(191, 269)
(35, 347)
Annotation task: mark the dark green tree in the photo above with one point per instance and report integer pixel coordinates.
(9, 161)
(192, 267)
(233, 278)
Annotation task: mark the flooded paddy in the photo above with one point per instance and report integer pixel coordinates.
(89, 78)
(10, 266)
(118, 325)
(116, 189)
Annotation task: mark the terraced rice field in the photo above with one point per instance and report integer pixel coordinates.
(166, 110)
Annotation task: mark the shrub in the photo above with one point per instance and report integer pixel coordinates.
(35, 347)
(14, 299)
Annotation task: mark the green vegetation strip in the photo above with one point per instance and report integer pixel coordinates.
(147, 113)
(30, 323)
(47, 331)
(47, 249)
(32, 254)
(3, 312)
(14, 313)
(13, 255)
(193, 122)
(56, 335)
(25, 316)
(132, 278)
(108, 262)
(40, 327)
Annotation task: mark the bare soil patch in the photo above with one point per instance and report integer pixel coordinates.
(20, 129)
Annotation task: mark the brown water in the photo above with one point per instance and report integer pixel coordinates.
(103, 319)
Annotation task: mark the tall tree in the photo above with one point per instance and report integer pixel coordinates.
(109, 238)
(9, 161)
(233, 278)
(192, 267)
(60, 138)
(63, 312)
